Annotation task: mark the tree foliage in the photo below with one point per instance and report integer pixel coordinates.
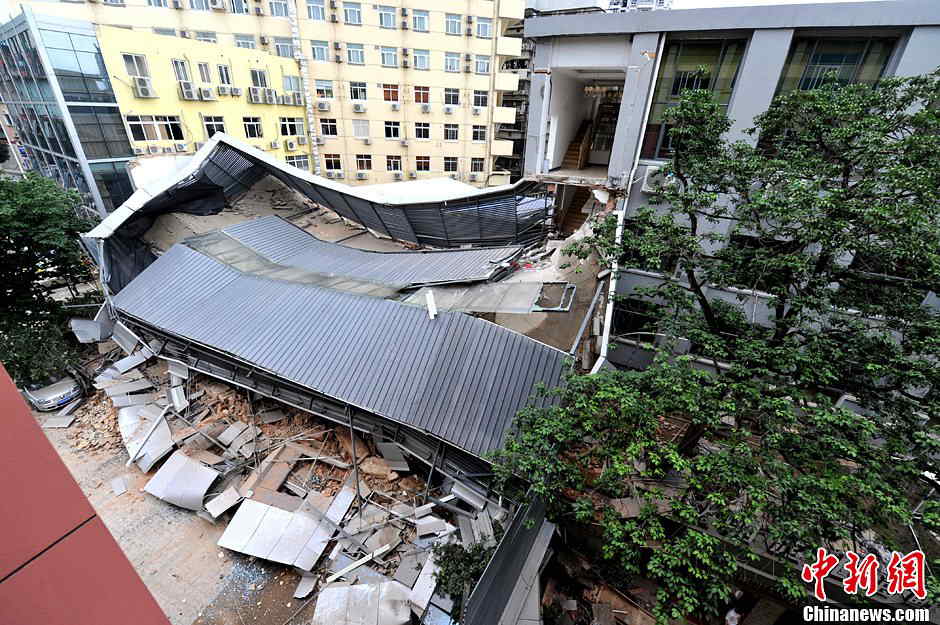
(39, 233)
(738, 446)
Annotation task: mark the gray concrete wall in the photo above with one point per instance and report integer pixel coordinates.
(921, 55)
(758, 76)
(539, 95)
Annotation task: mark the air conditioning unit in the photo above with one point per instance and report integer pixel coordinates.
(180, 147)
(339, 174)
(361, 175)
(404, 51)
(320, 141)
(367, 141)
(153, 149)
(187, 92)
(405, 64)
(143, 88)
(218, 5)
(404, 12)
(223, 89)
(339, 58)
(449, 110)
(302, 140)
(198, 145)
(259, 11)
(412, 174)
(274, 145)
(298, 98)
(404, 24)
(177, 4)
(290, 146)
(332, 4)
(323, 105)
(469, 32)
(467, 69)
(255, 95)
(205, 93)
(404, 143)
(467, 58)
(337, 45)
(270, 96)
(453, 176)
(236, 91)
(477, 110)
(472, 177)
(167, 150)
(284, 99)
(359, 107)
(139, 150)
(652, 178)
(329, 173)
(264, 40)
(184, 34)
(425, 108)
(333, 18)
(397, 175)
(396, 106)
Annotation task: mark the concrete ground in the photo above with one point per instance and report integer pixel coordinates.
(174, 551)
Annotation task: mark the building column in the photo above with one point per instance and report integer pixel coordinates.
(758, 76)
(920, 52)
(539, 97)
(640, 76)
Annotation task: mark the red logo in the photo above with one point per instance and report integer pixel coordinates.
(818, 571)
(907, 573)
(903, 573)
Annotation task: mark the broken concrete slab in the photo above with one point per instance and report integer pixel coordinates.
(375, 466)
(362, 604)
(229, 497)
(430, 525)
(182, 481)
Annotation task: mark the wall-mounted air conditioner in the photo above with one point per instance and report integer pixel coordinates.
(290, 146)
(270, 96)
(274, 145)
(367, 141)
(472, 177)
(449, 110)
(205, 93)
(396, 106)
(223, 89)
(153, 149)
(187, 91)
(477, 110)
(180, 147)
(167, 149)
(323, 105)
(198, 145)
(404, 143)
(653, 177)
(256, 95)
(236, 91)
(425, 108)
(359, 107)
(139, 150)
(339, 174)
(329, 173)
(412, 174)
(143, 88)
(298, 98)
(218, 5)
(302, 140)
(397, 175)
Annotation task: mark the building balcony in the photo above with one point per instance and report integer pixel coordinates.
(513, 9)
(504, 114)
(498, 178)
(501, 148)
(506, 81)
(509, 46)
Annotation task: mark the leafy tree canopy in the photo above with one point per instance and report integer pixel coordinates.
(797, 271)
(39, 233)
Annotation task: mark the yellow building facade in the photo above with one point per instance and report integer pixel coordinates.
(364, 92)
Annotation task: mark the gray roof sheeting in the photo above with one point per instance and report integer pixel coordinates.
(286, 244)
(458, 377)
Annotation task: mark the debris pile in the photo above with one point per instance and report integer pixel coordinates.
(355, 516)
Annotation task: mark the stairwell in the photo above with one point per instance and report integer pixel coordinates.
(574, 217)
(572, 155)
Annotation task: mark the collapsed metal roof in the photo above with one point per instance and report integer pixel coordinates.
(460, 378)
(225, 168)
(286, 244)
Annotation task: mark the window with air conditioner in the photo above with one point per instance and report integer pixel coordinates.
(245, 41)
(136, 65)
(479, 133)
(420, 21)
(360, 128)
(324, 88)
(393, 163)
(387, 18)
(451, 61)
(422, 95)
(422, 130)
(292, 126)
(332, 162)
(252, 127)
(484, 27)
(181, 70)
(389, 57)
(422, 59)
(392, 130)
(352, 13)
(363, 162)
(451, 132)
(155, 127)
(315, 10)
(355, 54)
(481, 98)
(423, 163)
(483, 64)
(259, 78)
(213, 124)
(452, 24)
(205, 74)
(357, 91)
(390, 92)
(329, 128)
(319, 50)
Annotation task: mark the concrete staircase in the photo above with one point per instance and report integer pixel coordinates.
(570, 161)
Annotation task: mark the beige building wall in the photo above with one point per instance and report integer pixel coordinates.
(130, 28)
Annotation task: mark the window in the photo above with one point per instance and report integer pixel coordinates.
(352, 13)
(166, 32)
(199, 5)
(245, 41)
(157, 3)
(451, 61)
(422, 59)
(452, 24)
(452, 96)
(393, 130)
(328, 128)
(422, 130)
(389, 57)
(419, 21)
(324, 88)
(239, 7)
(155, 127)
(387, 17)
(451, 132)
(318, 50)
(393, 163)
(357, 90)
(479, 133)
(259, 78)
(332, 162)
(390, 93)
(205, 74)
(360, 128)
(481, 99)
(225, 77)
(850, 60)
(483, 64)
(180, 69)
(484, 27)
(213, 124)
(692, 64)
(136, 65)
(363, 162)
(300, 162)
(315, 10)
(252, 127)
(284, 46)
(291, 83)
(476, 165)
(292, 126)
(423, 163)
(206, 35)
(355, 54)
(450, 163)
(422, 95)
(278, 8)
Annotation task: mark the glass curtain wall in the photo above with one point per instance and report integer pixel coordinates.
(812, 60)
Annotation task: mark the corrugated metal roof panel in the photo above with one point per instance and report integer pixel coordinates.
(458, 377)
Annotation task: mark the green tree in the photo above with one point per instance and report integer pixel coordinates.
(39, 233)
(737, 447)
